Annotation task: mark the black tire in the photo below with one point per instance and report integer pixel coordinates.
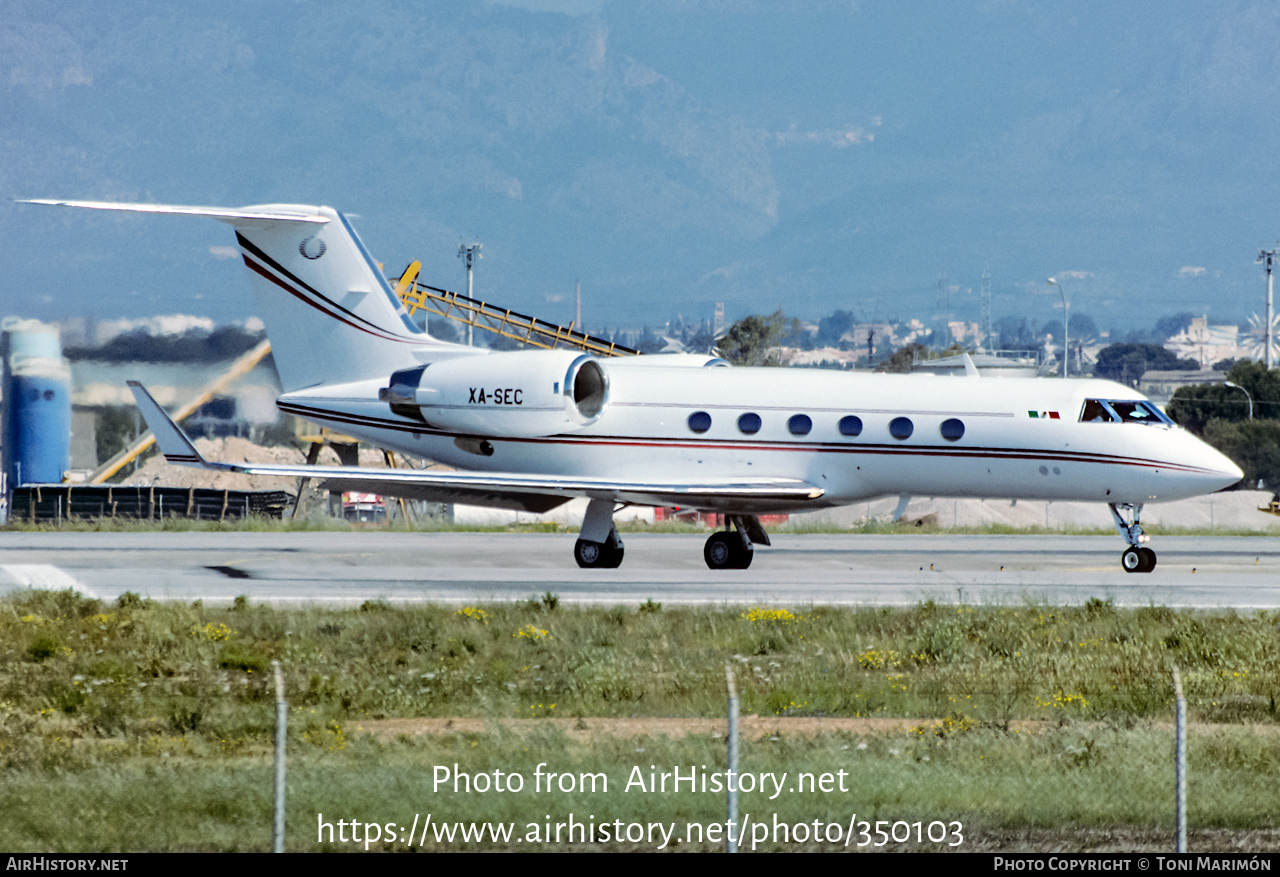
(591, 555)
(719, 551)
(1132, 560)
(1149, 559)
(612, 556)
(725, 550)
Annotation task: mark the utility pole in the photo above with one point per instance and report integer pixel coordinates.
(1066, 345)
(1266, 257)
(986, 308)
(943, 314)
(469, 253)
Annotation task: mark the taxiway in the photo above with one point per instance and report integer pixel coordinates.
(337, 568)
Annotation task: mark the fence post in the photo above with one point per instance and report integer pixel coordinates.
(731, 844)
(1180, 758)
(282, 718)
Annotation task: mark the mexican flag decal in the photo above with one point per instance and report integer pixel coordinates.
(1043, 415)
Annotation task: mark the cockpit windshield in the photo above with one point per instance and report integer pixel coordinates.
(1122, 411)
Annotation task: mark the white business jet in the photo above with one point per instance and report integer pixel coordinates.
(536, 428)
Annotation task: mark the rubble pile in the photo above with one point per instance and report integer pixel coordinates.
(157, 472)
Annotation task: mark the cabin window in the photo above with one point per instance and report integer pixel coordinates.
(799, 424)
(1122, 411)
(1137, 412)
(1095, 412)
(952, 430)
(749, 424)
(901, 428)
(851, 425)
(699, 421)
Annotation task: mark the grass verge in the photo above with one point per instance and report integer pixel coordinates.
(144, 725)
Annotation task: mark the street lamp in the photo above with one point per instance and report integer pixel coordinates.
(1246, 395)
(1066, 345)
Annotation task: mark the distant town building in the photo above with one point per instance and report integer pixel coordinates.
(1207, 344)
(1159, 386)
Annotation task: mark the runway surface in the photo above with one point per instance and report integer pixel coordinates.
(349, 568)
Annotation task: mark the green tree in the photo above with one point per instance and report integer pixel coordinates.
(750, 340)
(899, 362)
(1126, 363)
(1253, 445)
(1194, 407)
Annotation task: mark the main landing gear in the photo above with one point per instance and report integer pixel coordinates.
(598, 546)
(1137, 557)
(600, 555)
(732, 548)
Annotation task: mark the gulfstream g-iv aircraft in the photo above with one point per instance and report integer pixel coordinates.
(536, 428)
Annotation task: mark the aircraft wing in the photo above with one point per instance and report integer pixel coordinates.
(535, 493)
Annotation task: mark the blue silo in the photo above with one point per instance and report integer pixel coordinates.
(37, 403)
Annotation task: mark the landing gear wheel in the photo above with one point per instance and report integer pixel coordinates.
(588, 554)
(597, 555)
(612, 556)
(1149, 559)
(1131, 560)
(1138, 559)
(726, 551)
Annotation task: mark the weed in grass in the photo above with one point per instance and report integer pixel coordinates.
(237, 656)
(212, 632)
(460, 647)
(1098, 608)
(186, 714)
(44, 646)
(474, 614)
(533, 634)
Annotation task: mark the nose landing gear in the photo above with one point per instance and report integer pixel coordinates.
(1137, 557)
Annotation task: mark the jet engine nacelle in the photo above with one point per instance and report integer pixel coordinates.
(524, 393)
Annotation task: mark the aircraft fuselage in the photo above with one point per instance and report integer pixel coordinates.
(1018, 438)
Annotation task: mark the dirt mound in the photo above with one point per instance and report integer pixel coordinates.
(236, 450)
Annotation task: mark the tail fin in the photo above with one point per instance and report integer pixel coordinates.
(329, 312)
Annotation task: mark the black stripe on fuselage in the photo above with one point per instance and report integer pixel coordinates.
(735, 444)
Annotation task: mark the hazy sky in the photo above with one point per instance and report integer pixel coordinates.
(810, 155)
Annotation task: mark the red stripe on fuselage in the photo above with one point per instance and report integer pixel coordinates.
(302, 297)
(723, 444)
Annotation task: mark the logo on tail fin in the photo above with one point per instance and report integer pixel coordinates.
(312, 248)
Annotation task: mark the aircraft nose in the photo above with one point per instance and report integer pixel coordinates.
(1220, 469)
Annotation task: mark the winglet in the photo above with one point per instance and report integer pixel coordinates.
(970, 370)
(174, 444)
